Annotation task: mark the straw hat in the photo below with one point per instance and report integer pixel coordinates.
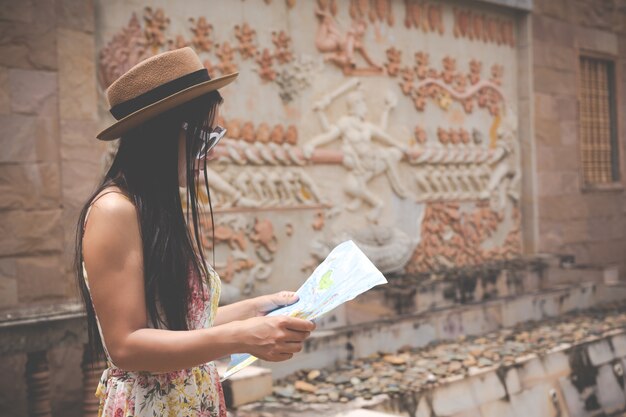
(156, 85)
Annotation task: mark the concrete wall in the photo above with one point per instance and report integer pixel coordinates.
(587, 223)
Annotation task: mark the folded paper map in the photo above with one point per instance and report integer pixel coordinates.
(343, 275)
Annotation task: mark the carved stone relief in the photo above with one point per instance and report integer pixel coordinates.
(417, 160)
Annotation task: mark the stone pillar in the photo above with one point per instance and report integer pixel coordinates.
(38, 385)
(91, 377)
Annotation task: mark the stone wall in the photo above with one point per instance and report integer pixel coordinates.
(587, 223)
(48, 164)
(49, 160)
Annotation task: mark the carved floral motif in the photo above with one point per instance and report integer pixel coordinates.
(452, 237)
(127, 48)
(201, 30)
(155, 25)
(422, 82)
(480, 27)
(247, 40)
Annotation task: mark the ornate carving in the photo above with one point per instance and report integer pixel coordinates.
(226, 54)
(449, 85)
(201, 30)
(363, 159)
(282, 47)
(296, 78)
(155, 25)
(265, 70)
(394, 59)
(340, 48)
(480, 27)
(122, 52)
(451, 237)
(179, 42)
(246, 37)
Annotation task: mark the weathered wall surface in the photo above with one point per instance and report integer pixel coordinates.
(48, 164)
(393, 125)
(49, 160)
(587, 223)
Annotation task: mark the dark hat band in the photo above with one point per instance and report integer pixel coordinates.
(123, 109)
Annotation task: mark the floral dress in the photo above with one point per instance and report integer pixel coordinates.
(195, 391)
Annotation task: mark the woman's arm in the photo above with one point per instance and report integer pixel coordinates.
(112, 252)
(254, 307)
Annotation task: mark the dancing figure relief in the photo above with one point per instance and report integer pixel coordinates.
(363, 158)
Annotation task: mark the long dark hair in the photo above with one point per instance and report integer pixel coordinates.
(145, 168)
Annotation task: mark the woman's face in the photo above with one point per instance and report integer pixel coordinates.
(182, 160)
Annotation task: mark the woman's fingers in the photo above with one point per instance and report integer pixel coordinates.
(299, 325)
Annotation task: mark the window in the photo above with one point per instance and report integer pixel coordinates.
(598, 117)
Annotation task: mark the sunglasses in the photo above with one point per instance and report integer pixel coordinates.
(209, 139)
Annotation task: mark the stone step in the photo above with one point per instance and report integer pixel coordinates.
(544, 377)
(327, 347)
(363, 412)
(412, 295)
(585, 379)
(248, 385)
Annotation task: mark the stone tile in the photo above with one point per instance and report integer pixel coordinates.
(79, 143)
(563, 207)
(28, 138)
(569, 132)
(487, 387)
(40, 278)
(531, 372)
(26, 232)
(30, 186)
(600, 353)
(567, 107)
(551, 81)
(453, 398)
(33, 90)
(547, 28)
(30, 46)
(619, 345)
(76, 14)
(535, 401)
(77, 75)
(572, 398)
(512, 381)
(8, 293)
(499, 408)
(249, 385)
(550, 55)
(556, 364)
(546, 106)
(576, 231)
(610, 394)
(558, 9)
(79, 181)
(596, 14)
(17, 11)
(5, 101)
(558, 183)
(547, 132)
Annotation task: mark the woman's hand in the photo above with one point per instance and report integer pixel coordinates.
(275, 338)
(266, 303)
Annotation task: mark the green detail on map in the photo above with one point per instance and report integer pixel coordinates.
(325, 281)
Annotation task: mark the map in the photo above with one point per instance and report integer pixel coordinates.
(345, 273)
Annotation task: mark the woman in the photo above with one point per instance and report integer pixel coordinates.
(151, 297)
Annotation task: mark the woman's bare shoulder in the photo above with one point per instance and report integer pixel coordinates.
(112, 219)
